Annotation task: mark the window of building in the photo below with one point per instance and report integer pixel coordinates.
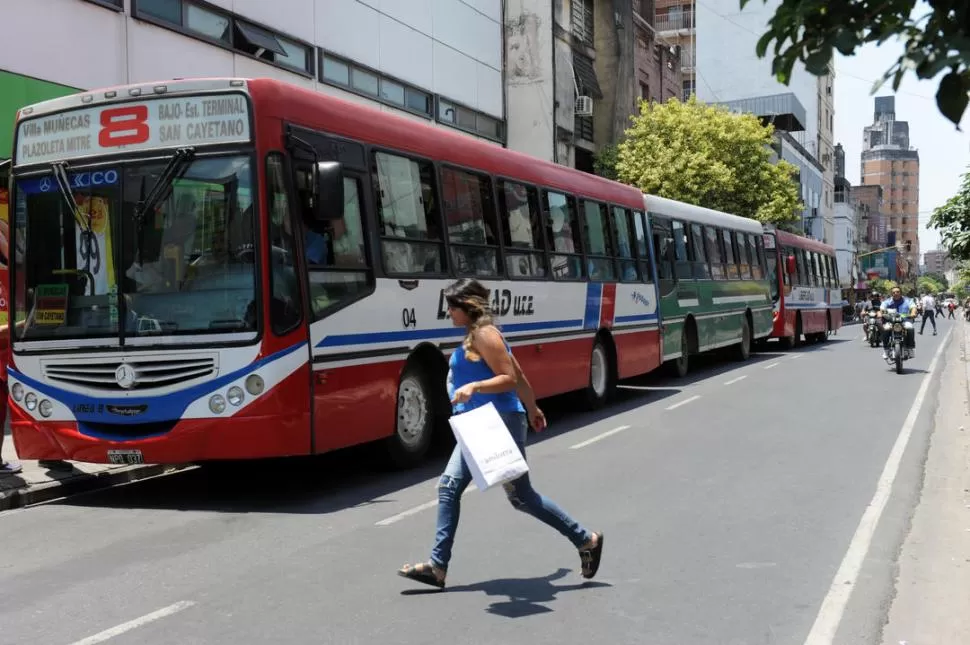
(599, 242)
(522, 230)
(582, 20)
(212, 24)
(689, 88)
(117, 5)
(469, 120)
(565, 239)
(342, 73)
(644, 91)
(470, 219)
(411, 236)
(285, 310)
(583, 126)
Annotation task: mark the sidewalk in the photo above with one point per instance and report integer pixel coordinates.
(38, 484)
(930, 603)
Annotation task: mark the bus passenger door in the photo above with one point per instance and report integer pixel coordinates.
(352, 394)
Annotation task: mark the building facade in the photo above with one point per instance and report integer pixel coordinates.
(847, 227)
(439, 62)
(890, 162)
(937, 261)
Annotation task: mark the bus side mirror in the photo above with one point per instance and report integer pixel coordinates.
(328, 200)
(790, 264)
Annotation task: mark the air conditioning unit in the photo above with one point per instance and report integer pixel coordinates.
(584, 106)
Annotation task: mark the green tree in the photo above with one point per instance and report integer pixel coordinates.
(940, 278)
(952, 220)
(604, 163)
(882, 286)
(808, 31)
(707, 156)
(928, 284)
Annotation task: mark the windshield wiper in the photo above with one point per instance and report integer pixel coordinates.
(59, 170)
(172, 171)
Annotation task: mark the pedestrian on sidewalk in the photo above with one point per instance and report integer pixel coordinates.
(929, 311)
(482, 370)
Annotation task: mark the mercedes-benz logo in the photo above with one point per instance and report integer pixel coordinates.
(45, 184)
(126, 376)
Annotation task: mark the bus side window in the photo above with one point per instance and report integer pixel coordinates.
(470, 219)
(407, 207)
(816, 270)
(522, 231)
(730, 259)
(285, 308)
(834, 266)
(679, 256)
(715, 254)
(640, 235)
(699, 256)
(744, 261)
(339, 274)
(757, 271)
(625, 263)
(565, 238)
(802, 271)
(663, 246)
(599, 244)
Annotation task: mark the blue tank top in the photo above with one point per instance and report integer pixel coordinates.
(462, 371)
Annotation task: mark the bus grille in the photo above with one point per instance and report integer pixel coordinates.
(151, 373)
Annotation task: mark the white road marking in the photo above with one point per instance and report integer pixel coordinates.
(100, 637)
(735, 380)
(598, 437)
(411, 511)
(684, 402)
(794, 356)
(833, 606)
(771, 365)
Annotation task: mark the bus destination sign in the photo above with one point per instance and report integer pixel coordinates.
(150, 124)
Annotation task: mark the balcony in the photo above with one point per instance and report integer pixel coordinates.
(680, 21)
(686, 59)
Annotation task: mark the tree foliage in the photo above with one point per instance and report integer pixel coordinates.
(939, 278)
(809, 30)
(882, 286)
(707, 156)
(952, 220)
(604, 163)
(929, 284)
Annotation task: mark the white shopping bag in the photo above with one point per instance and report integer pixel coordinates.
(488, 447)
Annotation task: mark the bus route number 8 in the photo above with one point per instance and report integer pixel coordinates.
(124, 126)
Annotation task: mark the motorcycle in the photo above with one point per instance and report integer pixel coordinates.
(898, 326)
(870, 327)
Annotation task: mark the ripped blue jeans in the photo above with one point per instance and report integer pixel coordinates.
(520, 493)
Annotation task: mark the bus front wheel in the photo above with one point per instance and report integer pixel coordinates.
(415, 419)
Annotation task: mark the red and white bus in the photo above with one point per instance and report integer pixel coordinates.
(231, 268)
(804, 287)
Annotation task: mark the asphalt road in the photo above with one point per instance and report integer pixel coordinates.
(728, 502)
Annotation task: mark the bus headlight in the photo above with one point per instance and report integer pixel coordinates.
(217, 404)
(255, 384)
(30, 401)
(235, 395)
(46, 408)
(18, 392)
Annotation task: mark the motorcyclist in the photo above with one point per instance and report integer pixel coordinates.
(874, 304)
(905, 307)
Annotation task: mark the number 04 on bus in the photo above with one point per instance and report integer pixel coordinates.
(232, 269)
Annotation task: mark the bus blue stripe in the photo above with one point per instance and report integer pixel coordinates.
(373, 338)
(636, 318)
(594, 294)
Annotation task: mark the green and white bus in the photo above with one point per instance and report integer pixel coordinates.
(712, 277)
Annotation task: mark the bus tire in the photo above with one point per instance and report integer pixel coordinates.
(415, 423)
(602, 376)
(680, 366)
(743, 349)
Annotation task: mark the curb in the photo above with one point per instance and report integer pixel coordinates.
(30, 495)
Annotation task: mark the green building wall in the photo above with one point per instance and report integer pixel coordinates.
(16, 91)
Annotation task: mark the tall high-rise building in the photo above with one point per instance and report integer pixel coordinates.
(890, 162)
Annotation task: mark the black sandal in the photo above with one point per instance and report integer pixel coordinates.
(591, 557)
(422, 572)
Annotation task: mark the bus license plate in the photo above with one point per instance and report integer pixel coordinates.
(125, 457)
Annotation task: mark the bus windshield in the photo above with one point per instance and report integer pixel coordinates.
(185, 267)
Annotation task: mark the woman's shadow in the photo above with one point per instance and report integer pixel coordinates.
(524, 594)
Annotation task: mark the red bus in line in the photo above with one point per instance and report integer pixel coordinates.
(234, 268)
(804, 287)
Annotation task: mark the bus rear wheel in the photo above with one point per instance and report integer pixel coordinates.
(681, 365)
(415, 419)
(743, 349)
(602, 383)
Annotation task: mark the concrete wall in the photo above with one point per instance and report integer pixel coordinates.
(529, 71)
(449, 48)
